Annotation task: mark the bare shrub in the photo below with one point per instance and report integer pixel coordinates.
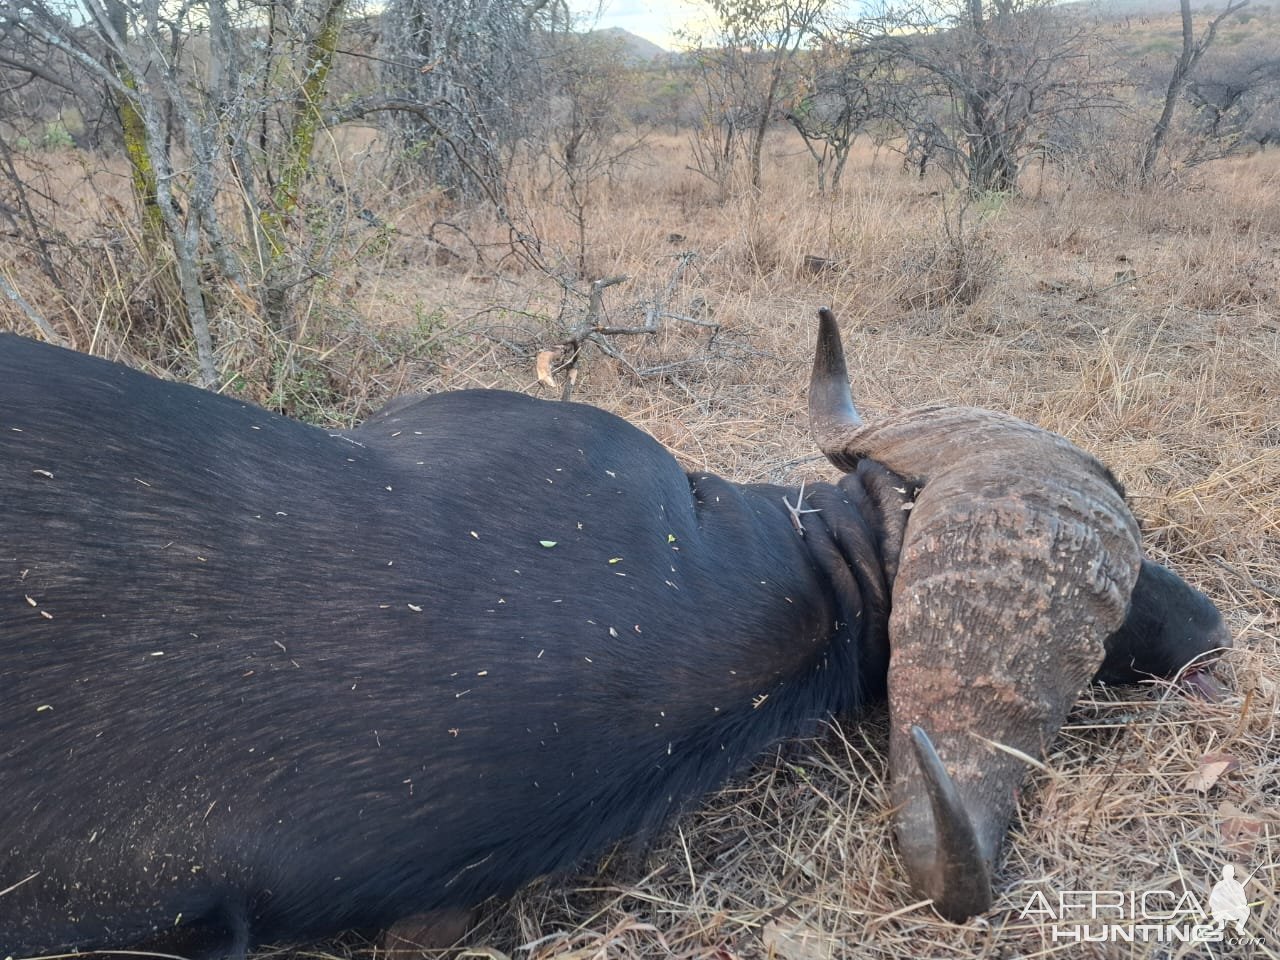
(958, 263)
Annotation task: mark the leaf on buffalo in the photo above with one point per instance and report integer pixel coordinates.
(547, 543)
(545, 359)
(1211, 767)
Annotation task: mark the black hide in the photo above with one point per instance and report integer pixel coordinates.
(265, 681)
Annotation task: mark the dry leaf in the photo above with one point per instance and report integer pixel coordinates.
(789, 938)
(545, 359)
(435, 930)
(1240, 831)
(1212, 766)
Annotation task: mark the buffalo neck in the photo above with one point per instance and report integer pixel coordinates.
(839, 544)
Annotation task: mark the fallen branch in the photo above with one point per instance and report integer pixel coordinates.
(41, 324)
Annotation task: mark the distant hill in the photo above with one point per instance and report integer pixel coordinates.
(1119, 9)
(633, 48)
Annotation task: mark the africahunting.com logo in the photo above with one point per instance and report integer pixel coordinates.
(1148, 916)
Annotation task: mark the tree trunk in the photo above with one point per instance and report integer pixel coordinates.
(1187, 60)
(1179, 80)
(305, 121)
(142, 172)
(762, 122)
(144, 145)
(992, 154)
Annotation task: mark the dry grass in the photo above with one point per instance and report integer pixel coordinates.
(1144, 327)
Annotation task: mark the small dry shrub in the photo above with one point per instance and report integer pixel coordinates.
(957, 263)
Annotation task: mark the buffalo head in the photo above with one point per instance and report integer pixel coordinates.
(1021, 578)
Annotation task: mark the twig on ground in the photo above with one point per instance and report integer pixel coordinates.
(1256, 584)
(41, 324)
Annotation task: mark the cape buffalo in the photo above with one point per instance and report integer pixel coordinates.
(263, 681)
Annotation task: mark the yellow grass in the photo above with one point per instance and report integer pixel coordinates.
(1172, 377)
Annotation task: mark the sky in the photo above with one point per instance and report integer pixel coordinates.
(655, 20)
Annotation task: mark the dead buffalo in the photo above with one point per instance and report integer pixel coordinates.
(265, 682)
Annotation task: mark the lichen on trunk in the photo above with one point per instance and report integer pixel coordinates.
(304, 123)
